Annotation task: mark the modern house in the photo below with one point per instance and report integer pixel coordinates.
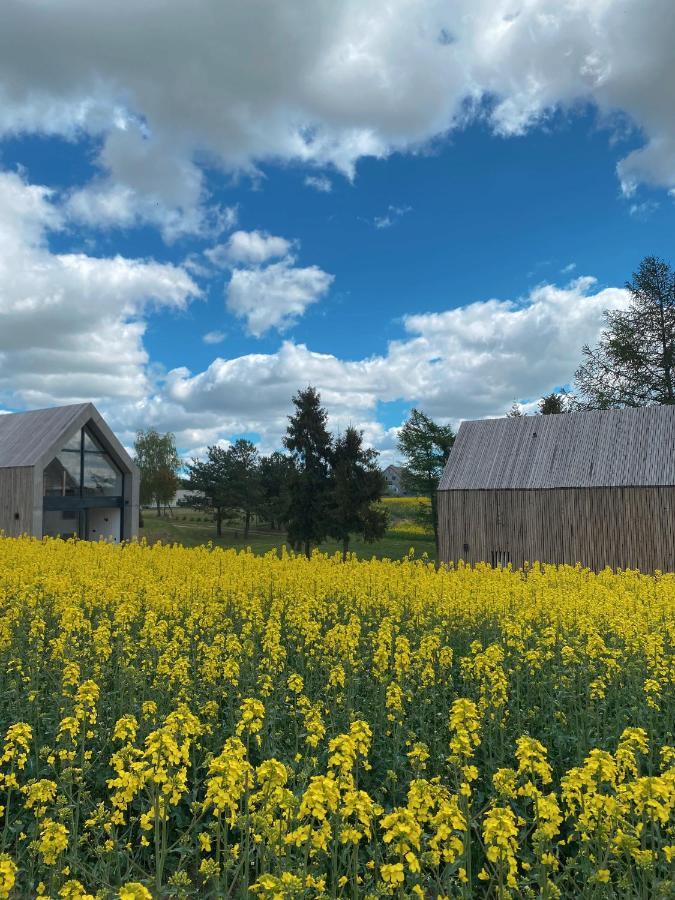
(63, 472)
(596, 488)
(393, 476)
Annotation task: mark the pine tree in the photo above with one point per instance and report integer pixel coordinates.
(244, 476)
(357, 484)
(211, 478)
(309, 442)
(554, 403)
(634, 362)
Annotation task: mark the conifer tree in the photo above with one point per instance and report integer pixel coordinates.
(309, 442)
(357, 484)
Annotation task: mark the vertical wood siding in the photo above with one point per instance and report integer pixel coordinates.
(16, 496)
(619, 527)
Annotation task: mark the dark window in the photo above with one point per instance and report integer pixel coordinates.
(82, 468)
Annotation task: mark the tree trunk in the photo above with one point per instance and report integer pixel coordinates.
(308, 549)
(219, 524)
(345, 548)
(247, 524)
(159, 507)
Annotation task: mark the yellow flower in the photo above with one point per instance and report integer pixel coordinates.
(134, 890)
(8, 870)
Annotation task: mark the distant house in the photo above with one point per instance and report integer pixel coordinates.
(596, 488)
(63, 472)
(393, 476)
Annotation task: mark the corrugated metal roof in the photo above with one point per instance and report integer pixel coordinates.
(598, 448)
(26, 436)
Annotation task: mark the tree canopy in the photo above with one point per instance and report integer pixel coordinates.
(157, 458)
(425, 446)
(633, 362)
(357, 483)
(310, 444)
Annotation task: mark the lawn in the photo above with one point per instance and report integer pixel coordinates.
(193, 527)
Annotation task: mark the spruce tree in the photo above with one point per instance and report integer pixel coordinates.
(309, 442)
(357, 484)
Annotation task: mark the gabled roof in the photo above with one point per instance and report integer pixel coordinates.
(599, 448)
(25, 437)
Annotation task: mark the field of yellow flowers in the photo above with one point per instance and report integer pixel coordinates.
(206, 723)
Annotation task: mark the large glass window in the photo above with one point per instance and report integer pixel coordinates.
(100, 475)
(82, 468)
(62, 475)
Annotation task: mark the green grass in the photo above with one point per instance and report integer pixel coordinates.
(192, 528)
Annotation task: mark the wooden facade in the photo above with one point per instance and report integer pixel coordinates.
(16, 501)
(573, 488)
(597, 527)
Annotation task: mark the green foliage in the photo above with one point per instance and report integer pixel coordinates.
(310, 444)
(357, 484)
(210, 478)
(554, 403)
(227, 481)
(276, 472)
(157, 458)
(425, 445)
(635, 357)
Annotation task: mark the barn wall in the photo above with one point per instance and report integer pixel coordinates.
(16, 496)
(597, 527)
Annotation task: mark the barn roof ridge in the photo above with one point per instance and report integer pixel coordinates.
(627, 447)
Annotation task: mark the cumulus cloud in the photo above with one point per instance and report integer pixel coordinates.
(276, 295)
(71, 325)
(467, 362)
(167, 87)
(249, 248)
(72, 328)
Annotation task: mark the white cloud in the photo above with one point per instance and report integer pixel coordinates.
(276, 295)
(71, 325)
(467, 362)
(320, 183)
(392, 215)
(72, 328)
(249, 248)
(214, 337)
(170, 87)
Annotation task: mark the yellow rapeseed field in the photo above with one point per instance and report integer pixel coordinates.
(205, 723)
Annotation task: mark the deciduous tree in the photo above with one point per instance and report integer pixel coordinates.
(157, 458)
(425, 446)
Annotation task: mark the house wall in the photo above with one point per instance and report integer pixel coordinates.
(132, 483)
(597, 527)
(16, 501)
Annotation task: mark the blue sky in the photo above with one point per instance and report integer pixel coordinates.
(397, 219)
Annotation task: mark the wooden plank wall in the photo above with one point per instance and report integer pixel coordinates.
(16, 496)
(597, 527)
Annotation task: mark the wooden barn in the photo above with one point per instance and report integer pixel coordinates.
(63, 472)
(596, 488)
